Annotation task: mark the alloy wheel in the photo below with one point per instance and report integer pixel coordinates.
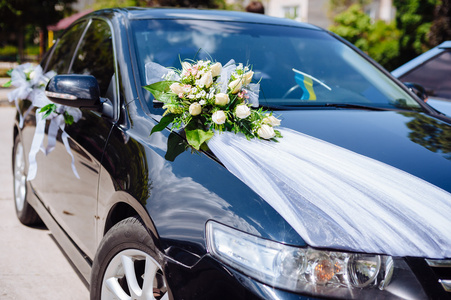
(133, 275)
(20, 179)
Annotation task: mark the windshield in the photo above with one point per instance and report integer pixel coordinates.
(296, 67)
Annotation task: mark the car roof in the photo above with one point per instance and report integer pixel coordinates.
(421, 59)
(137, 13)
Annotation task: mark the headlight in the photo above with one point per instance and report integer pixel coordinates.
(310, 271)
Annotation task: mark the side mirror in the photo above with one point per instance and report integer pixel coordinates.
(418, 90)
(80, 91)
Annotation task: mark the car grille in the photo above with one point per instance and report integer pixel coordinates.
(442, 270)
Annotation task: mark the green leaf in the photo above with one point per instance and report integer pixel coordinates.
(176, 146)
(9, 72)
(158, 89)
(164, 122)
(196, 137)
(7, 84)
(68, 119)
(47, 110)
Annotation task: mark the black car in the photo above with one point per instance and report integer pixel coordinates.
(354, 201)
(431, 70)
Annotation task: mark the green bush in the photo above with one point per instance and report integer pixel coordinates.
(8, 50)
(378, 39)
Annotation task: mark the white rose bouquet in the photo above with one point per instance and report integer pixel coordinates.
(206, 97)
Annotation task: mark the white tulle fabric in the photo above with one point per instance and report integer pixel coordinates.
(33, 90)
(338, 199)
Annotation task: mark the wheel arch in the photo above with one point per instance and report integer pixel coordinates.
(15, 131)
(118, 212)
(123, 206)
(15, 134)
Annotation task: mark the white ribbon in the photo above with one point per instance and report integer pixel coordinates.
(335, 198)
(38, 140)
(23, 86)
(33, 90)
(56, 122)
(64, 138)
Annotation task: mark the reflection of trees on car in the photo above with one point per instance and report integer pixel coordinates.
(430, 133)
(95, 55)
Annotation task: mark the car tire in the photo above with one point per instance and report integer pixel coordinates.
(25, 212)
(126, 265)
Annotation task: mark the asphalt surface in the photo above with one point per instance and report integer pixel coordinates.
(32, 266)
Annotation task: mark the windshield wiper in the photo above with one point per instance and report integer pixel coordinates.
(316, 106)
(357, 106)
(277, 107)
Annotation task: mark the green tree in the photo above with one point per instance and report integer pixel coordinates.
(441, 25)
(430, 133)
(99, 4)
(378, 39)
(414, 19)
(19, 15)
(339, 6)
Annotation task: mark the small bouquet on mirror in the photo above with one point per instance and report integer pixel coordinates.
(29, 83)
(206, 97)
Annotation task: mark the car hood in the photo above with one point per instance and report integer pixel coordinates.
(343, 179)
(413, 142)
(442, 105)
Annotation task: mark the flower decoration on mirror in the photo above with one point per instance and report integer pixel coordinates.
(206, 97)
(29, 82)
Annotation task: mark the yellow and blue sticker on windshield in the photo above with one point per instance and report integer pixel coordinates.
(306, 84)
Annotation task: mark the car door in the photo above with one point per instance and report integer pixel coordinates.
(72, 200)
(58, 61)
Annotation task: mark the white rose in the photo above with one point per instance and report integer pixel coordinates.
(271, 120)
(266, 132)
(216, 69)
(206, 79)
(32, 74)
(222, 99)
(242, 111)
(195, 109)
(248, 77)
(235, 85)
(176, 88)
(219, 117)
(186, 66)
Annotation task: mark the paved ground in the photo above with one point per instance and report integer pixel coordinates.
(4, 92)
(32, 266)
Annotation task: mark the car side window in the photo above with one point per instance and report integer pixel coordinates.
(64, 49)
(434, 76)
(95, 55)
